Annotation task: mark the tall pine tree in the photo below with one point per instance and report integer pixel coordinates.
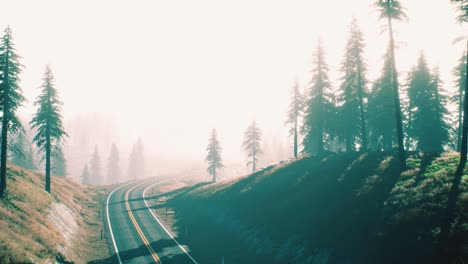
(460, 74)
(295, 110)
(427, 125)
(11, 98)
(85, 175)
(381, 111)
(136, 166)
(391, 10)
(251, 144)
(22, 152)
(319, 106)
(48, 122)
(352, 92)
(113, 167)
(213, 157)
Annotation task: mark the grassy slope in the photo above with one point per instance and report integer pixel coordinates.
(346, 208)
(27, 232)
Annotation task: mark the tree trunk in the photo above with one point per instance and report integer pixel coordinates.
(396, 97)
(460, 114)
(295, 138)
(362, 113)
(5, 121)
(47, 164)
(454, 190)
(254, 166)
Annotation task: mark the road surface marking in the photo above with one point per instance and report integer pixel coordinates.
(109, 223)
(160, 223)
(137, 227)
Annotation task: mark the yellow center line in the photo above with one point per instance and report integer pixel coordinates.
(138, 229)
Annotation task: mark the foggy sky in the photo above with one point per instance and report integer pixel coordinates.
(170, 71)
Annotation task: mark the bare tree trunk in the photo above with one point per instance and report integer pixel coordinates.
(396, 97)
(47, 164)
(5, 121)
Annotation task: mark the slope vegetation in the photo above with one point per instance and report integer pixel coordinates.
(38, 227)
(345, 208)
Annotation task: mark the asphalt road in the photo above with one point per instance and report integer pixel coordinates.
(137, 235)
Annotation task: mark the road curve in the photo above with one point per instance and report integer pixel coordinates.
(136, 234)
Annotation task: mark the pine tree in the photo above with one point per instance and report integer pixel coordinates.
(48, 122)
(381, 111)
(352, 92)
(95, 172)
(427, 126)
(460, 74)
(113, 168)
(319, 106)
(85, 175)
(462, 6)
(213, 157)
(391, 10)
(295, 111)
(136, 167)
(59, 162)
(251, 144)
(11, 98)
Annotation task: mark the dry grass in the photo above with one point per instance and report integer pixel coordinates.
(28, 235)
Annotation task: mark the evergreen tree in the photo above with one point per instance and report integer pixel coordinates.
(136, 167)
(319, 106)
(11, 98)
(113, 168)
(48, 122)
(22, 152)
(460, 74)
(59, 167)
(95, 172)
(392, 10)
(352, 92)
(427, 125)
(213, 158)
(251, 144)
(462, 6)
(295, 110)
(85, 175)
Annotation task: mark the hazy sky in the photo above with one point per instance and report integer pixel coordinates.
(169, 71)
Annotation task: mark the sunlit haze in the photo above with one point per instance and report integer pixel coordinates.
(170, 71)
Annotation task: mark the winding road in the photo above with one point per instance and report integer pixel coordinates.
(137, 235)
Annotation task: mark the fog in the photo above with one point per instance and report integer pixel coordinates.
(169, 71)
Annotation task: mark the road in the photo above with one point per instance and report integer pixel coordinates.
(136, 233)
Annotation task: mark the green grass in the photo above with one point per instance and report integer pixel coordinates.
(345, 208)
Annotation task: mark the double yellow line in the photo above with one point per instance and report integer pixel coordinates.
(138, 229)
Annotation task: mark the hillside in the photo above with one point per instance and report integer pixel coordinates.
(345, 208)
(37, 227)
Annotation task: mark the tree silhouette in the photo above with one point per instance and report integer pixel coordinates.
(460, 74)
(213, 157)
(352, 114)
(319, 107)
(295, 109)
(113, 168)
(251, 144)
(381, 110)
(85, 175)
(48, 122)
(95, 172)
(136, 167)
(393, 10)
(454, 192)
(427, 126)
(11, 98)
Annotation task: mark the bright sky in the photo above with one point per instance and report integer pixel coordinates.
(169, 71)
